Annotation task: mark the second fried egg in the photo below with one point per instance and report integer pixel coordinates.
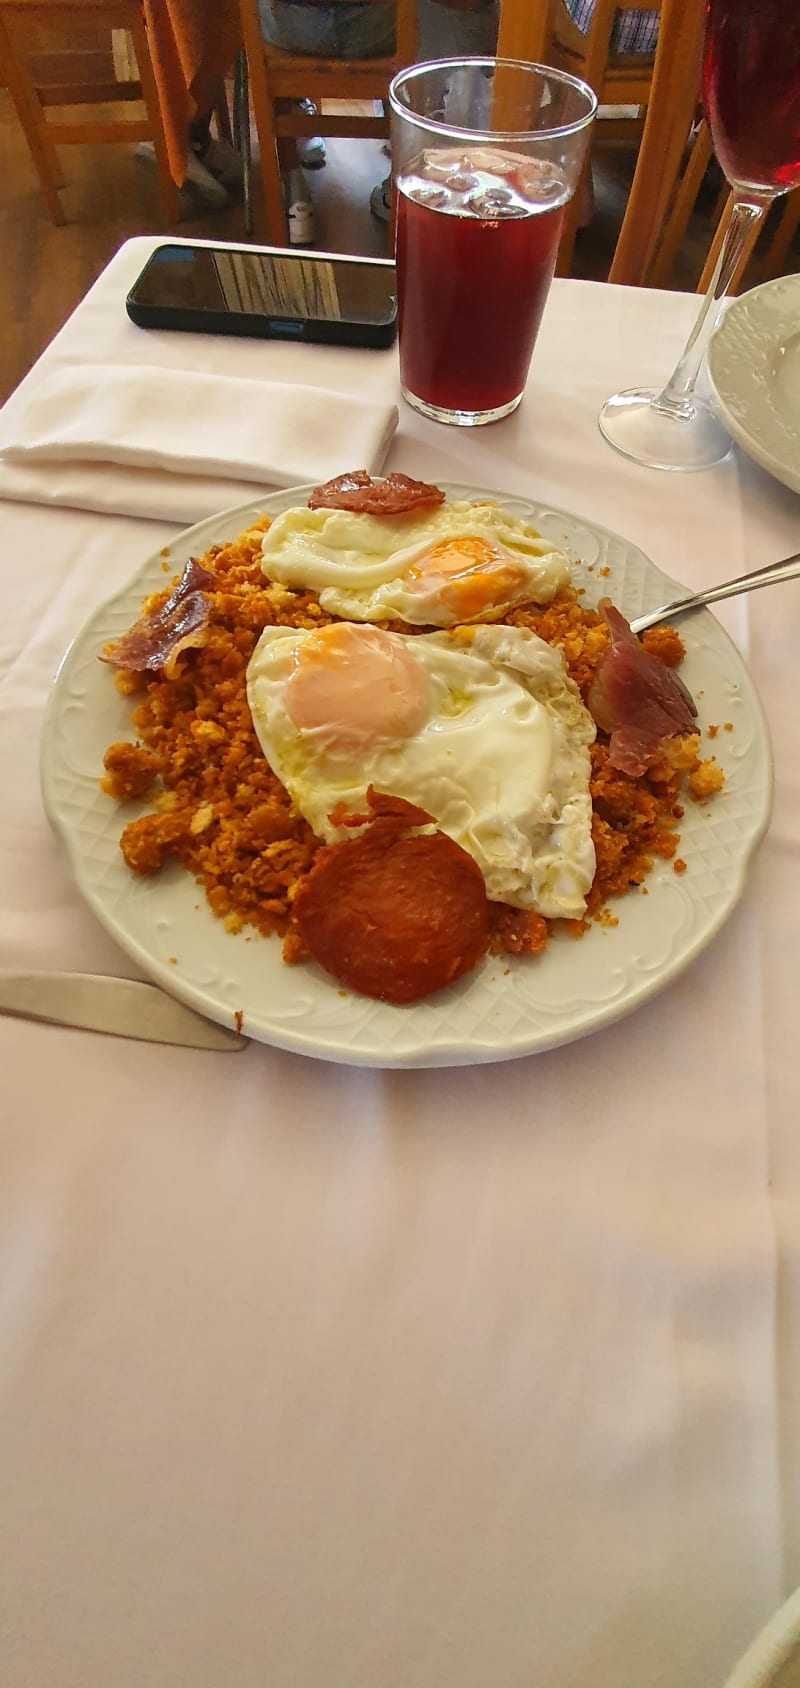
(459, 562)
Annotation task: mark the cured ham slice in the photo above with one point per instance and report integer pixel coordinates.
(395, 495)
(635, 698)
(156, 640)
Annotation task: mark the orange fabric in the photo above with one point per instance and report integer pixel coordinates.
(193, 44)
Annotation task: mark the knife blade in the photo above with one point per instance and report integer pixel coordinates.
(119, 1007)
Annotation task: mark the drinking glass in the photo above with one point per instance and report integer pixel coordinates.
(751, 94)
(486, 154)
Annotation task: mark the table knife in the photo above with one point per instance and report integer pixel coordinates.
(120, 1007)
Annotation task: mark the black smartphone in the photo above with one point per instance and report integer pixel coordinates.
(273, 293)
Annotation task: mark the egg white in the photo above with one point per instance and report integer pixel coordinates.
(501, 759)
(356, 562)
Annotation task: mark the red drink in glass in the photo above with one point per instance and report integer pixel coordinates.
(487, 154)
(475, 258)
(751, 88)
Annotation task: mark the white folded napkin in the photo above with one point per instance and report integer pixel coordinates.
(174, 445)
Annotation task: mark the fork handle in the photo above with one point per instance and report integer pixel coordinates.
(787, 569)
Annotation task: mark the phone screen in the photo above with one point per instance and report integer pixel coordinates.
(289, 286)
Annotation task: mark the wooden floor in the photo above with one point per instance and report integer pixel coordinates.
(109, 195)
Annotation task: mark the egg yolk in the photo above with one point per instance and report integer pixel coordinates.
(355, 684)
(467, 576)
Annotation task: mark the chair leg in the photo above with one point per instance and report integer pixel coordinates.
(660, 270)
(27, 108)
(778, 250)
(570, 225)
(222, 115)
(169, 192)
(241, 131)
(272, 183)
(263, 111)
(54, 163)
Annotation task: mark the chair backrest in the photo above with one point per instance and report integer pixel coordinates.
(617, 78)
(525, 29)
(406, 44)
(542, 30)
(667, 83)
(663, 191)
(72, 48)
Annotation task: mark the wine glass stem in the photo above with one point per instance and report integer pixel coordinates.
(677, 397)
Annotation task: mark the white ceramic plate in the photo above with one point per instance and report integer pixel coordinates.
(506, 1007)
(754, 366)
(773, 1660)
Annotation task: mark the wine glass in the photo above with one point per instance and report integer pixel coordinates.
(751, 94)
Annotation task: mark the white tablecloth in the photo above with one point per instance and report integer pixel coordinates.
(313, 1377)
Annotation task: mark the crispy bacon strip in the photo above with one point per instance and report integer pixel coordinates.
(635, 698)
(393, 913)
(393, 496)
(155, 641)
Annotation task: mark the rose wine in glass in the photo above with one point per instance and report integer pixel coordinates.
(486, 154)
(474, 268)
(751, 94)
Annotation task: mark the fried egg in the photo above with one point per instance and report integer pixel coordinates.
(482, 727)
(458, 562)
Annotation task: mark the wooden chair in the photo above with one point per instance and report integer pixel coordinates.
(778, 249)
(657, 265)
(618, 79)
(658, 272)
(542, 30)
(669, 171)
(40, 81)
(669, 174)
(660, 183)
(278, 76)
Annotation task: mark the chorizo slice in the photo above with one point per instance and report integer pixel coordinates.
(395, 495)
(394, 913)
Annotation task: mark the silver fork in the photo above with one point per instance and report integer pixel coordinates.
(788, 569)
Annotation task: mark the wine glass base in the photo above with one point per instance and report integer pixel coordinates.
(632, 424)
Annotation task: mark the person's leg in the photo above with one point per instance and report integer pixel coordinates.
(340, 30)
(298, 29)
(447, 29)
(450, 28)
(203, 188)
(367, 32)
(216, 157)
